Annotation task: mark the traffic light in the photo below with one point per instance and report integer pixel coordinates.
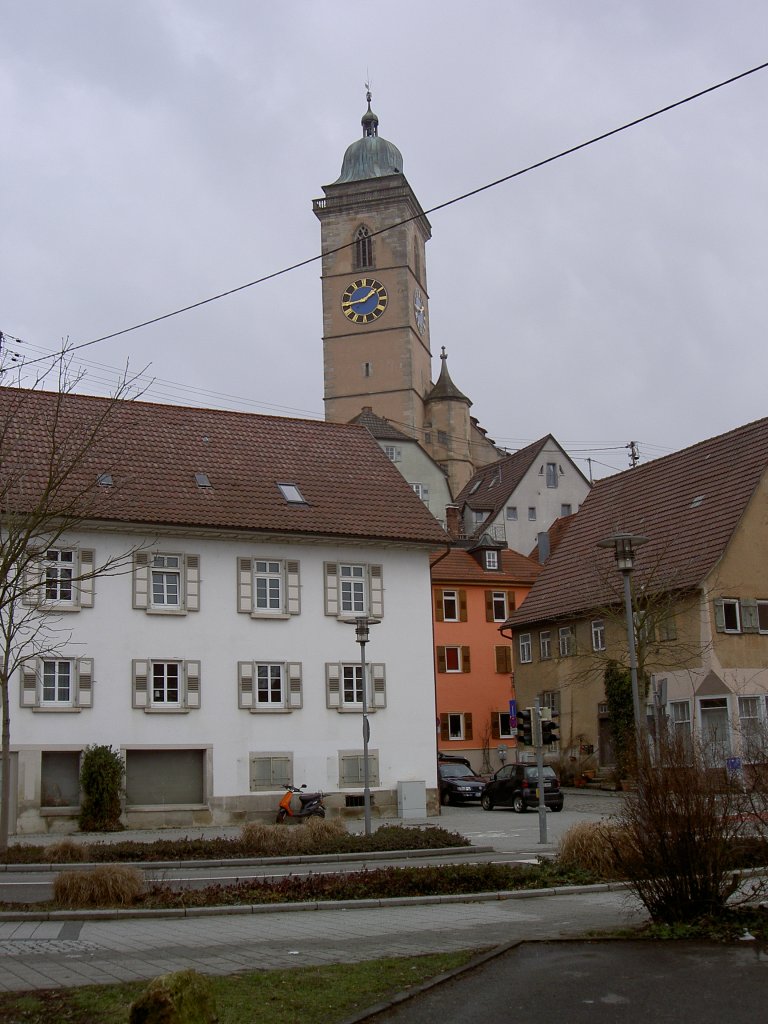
(525, 727)
(549, 728)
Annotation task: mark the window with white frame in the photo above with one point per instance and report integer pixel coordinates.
(567, 641)
(503, 728)
(269, 686)
(351, 684)
(545, 645)
(57, 684)
(450, 602)
(166, 685)
(598, 635)
(393, 453)
(270, 770)
(499, 605)
(59, 575)
(680, 719)
(532, 513)
(353, 590)
(750, 725)
(491, 559)
(551, 474)
(478, 517)
(268, 587)
(512, 513)
(453, 659)
(352, 768)
(422, 491)
(526, 655)
(166, 582)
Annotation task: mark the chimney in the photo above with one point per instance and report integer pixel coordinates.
(542, 539)
(453, 522)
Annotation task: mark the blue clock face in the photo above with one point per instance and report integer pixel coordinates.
(364, 300)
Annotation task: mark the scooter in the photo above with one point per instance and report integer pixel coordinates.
(311, 805)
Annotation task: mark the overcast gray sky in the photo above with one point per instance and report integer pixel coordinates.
(156, 153)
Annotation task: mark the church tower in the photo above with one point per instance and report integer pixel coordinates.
(376, 349)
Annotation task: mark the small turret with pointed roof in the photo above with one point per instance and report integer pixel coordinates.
(445, 388)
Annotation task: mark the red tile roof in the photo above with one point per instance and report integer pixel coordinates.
(458, 566)
(688, 505)
(153, 452)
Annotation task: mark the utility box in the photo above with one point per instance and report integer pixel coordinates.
(412, 799)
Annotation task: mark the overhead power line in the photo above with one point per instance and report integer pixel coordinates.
(434, 209)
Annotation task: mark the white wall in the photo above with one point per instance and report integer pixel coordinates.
(113, 633)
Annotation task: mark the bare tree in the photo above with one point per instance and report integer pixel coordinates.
(56, 454)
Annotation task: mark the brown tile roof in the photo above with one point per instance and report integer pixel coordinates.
(458, 566)
(153, 452)
(556, 532)
(492, 485)
(688, 504)
(381, 429)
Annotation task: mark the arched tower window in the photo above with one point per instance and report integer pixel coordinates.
(363, 248)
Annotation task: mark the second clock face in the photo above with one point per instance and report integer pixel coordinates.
(364, 300)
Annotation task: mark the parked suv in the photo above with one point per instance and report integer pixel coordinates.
(516, 786)
(458, 783)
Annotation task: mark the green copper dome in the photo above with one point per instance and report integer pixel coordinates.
(371, 156)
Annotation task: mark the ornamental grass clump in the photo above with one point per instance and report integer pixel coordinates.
(592, 846)
(67, 851)
(110, 885)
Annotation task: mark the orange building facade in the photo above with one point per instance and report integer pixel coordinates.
(472, 593)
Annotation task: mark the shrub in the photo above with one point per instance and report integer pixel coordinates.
(107, 886)
(101, 777)
(592, 846)
(66, 852)
(684, 829)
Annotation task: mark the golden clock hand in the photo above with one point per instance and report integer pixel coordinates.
(364, 298)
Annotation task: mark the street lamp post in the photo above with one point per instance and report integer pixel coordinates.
(624, 545)
(362, 630)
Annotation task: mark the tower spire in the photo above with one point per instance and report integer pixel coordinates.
(370, 121)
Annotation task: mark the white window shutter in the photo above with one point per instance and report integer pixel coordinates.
(245, 684)
(84, 695)
(379, 696)
(29, 672)
(331, 590)
(192, 680)
(85, 586)
(140, 683)
(332, 687)
(32, 580)
(376, 576)
(192, 583)
(295, 695)
(292, 587)
(141, 580)
(245, 585)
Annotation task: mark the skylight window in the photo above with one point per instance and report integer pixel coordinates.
(475, 486)
(697, 501)
(105, 480)
(201, 479)
(292, 494)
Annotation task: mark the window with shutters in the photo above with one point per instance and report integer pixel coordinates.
(762, 616)
(166, 686)
(57, 684)
(344, 686)
(450, 606)
(166, 583)
(545, 645)
(352, 768)
(354, 590)
(727, 615)
(273, 686)
(268, 587)
(60, 579)
(496, 601)
(270, 770)
(524, 642)
(504, 659)
(453, 659)
(456, 725)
